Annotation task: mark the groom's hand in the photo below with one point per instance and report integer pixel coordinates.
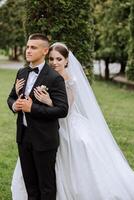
(17, 106)
(27, 104)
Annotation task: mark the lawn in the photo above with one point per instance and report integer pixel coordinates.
(116, 103)
(8, 150)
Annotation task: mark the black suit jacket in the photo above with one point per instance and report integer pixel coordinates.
(42, 121)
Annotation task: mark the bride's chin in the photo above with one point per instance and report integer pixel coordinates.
(55, 69)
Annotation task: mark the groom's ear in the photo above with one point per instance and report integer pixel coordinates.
(46, 51)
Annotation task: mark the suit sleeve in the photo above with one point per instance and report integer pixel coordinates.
(59, 98)
(12, 96)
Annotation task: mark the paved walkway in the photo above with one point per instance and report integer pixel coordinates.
(123, 80)
(6, 64)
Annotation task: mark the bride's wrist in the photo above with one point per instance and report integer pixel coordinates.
(50, 103)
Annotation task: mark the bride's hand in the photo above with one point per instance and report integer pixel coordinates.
(19, 85)
(42, 96)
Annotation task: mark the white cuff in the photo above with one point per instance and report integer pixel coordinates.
(13, 107)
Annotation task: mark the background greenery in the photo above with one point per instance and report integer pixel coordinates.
(130, 63)
(102, 27)
(67, 21)
(63, 20)
(11, 28)
(112, 32)
(116, 103)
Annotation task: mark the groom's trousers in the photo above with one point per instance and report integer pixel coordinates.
(38, 168)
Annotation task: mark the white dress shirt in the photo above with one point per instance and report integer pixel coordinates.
(29, 85)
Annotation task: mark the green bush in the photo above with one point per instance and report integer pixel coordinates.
(63, 20)
(130, 64)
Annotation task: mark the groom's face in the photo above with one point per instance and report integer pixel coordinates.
(36, 51)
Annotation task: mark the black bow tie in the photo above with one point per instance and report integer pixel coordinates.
(36, 69)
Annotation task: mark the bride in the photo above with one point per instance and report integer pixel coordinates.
(89, 165)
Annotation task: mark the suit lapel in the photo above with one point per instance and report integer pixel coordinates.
(24, 75)
(40, 79)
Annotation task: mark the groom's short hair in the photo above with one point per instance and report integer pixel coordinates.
(39, 36)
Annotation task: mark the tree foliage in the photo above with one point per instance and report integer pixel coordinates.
(130, 64)
(111, 25)
(63, 20)
(11, 25)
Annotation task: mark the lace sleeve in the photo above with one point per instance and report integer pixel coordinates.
(70, 86)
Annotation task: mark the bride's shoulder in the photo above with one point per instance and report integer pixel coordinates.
(70, 83)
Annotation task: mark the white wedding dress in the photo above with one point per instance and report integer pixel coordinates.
(89, 164)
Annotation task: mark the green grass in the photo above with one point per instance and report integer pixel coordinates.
(8, 152)
(117, 105)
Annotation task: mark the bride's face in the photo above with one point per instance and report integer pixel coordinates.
(57, 61)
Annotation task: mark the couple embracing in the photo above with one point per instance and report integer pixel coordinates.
(66, 150)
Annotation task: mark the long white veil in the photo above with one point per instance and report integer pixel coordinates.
(87, 105)
(96, 155)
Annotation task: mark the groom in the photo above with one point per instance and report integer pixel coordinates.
(37, 123)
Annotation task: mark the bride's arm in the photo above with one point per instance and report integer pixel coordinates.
(70, 86)
(19, 85)
(43, 96)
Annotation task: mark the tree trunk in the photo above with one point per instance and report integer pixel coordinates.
(123, 66)
(106, 69)
(99, 64)
(15, 57)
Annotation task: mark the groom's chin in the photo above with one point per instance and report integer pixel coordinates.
(28, 59)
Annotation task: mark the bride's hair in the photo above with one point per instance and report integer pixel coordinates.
(61, 48)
